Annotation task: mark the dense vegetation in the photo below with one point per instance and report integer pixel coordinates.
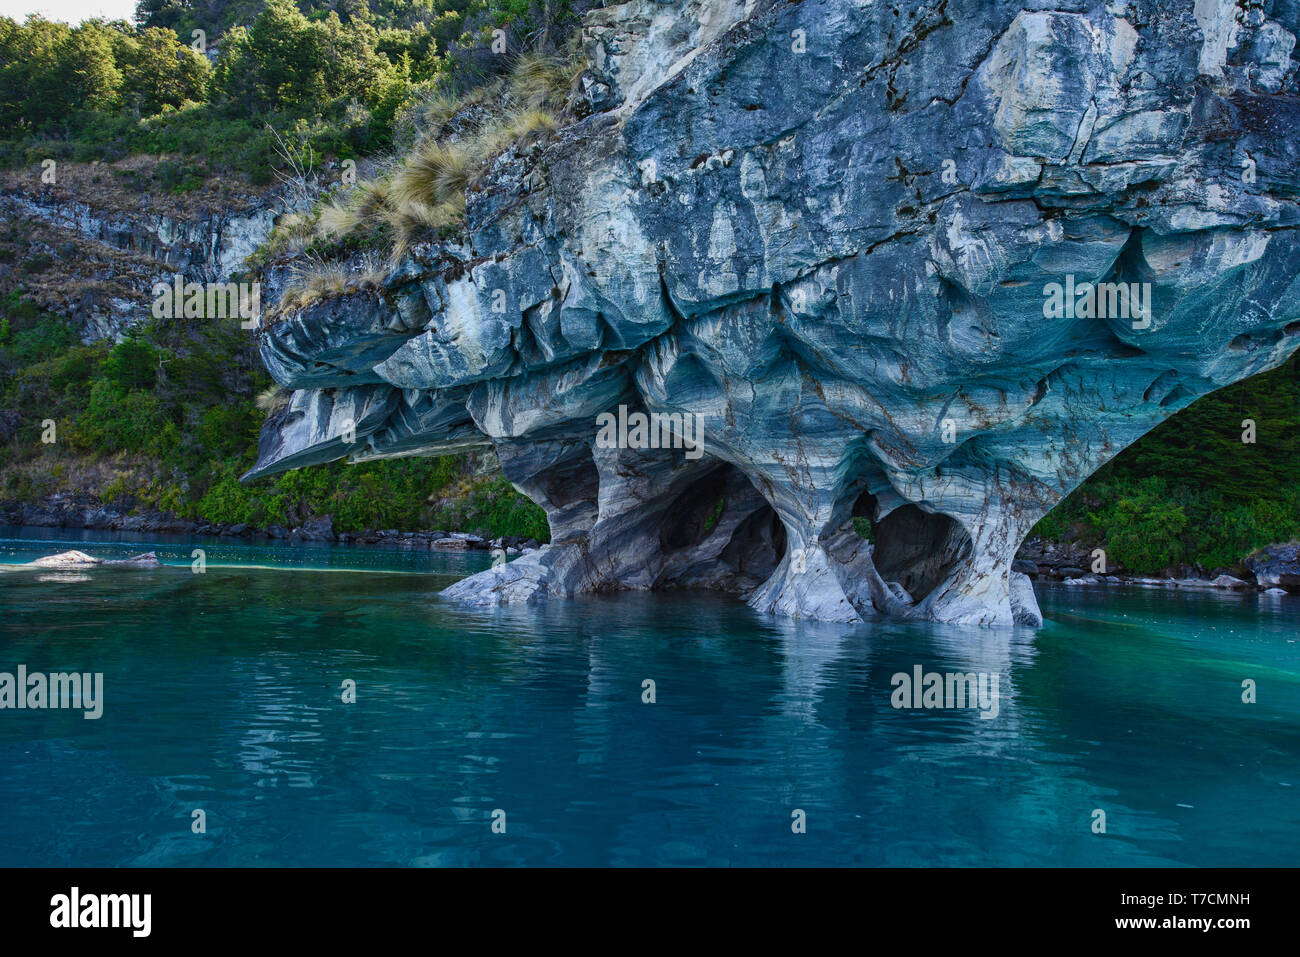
(1191, 491)
(333, 79)
(168, 419)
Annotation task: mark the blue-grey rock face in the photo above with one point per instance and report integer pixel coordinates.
(928, 263)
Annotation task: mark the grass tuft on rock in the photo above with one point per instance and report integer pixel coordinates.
(422, 194)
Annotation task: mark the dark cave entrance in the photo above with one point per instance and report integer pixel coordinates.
(724, 497)
(693, 515)
(573, 481)
(911, 546)
(758, 544)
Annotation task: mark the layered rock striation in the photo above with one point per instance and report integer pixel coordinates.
(924, 264)
(108, 233)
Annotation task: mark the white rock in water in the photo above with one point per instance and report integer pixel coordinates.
(1228, 581)
(70, 559)
(76, 559)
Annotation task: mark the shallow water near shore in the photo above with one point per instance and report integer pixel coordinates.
(222, 693)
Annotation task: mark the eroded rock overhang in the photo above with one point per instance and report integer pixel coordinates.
(834, 230)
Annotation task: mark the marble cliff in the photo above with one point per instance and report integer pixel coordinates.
(931, 264)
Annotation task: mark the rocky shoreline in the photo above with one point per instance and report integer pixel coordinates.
(88, 513)
(1275, 568)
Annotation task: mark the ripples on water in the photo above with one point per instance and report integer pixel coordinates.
(222, 692)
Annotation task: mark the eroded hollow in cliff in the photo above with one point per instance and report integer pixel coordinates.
(572, 481)
(914, 547)
(720, 533)
(758, 544)
(695, 512)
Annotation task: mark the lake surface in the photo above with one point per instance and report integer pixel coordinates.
(223, 692)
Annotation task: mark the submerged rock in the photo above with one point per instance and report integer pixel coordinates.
(142, 560)
(1229, 581)
(930, 265)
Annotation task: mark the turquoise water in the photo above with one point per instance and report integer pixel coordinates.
(222, 693)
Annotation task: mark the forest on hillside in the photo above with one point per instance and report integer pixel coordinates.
(336, 79)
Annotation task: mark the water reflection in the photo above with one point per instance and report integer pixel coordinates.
(223, 692)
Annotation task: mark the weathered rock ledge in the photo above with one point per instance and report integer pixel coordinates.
(841, 233)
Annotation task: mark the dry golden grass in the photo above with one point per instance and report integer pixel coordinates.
(432, 173)
(314, 279)
(272, 400)
(538, 81)
(292, 234)
(425, 191)
(415, 218)
(521, 127)
(436, 108)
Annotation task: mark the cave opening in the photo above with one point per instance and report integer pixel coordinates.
(572, 481)
(723, 502)
(910, 546)
(758, 543)
(863, 515)
(917, 548)
(693, 515)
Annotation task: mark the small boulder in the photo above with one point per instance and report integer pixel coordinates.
(1228, 581)
(69, 559)
(320, 529)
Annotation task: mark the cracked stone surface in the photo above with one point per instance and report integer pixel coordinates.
(831, 228)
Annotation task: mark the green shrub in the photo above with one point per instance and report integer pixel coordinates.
(114, 421)
(494, 509)
(48, 338)
(1142, 527)
(226, 502)
(132, 364)
(228, 430)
